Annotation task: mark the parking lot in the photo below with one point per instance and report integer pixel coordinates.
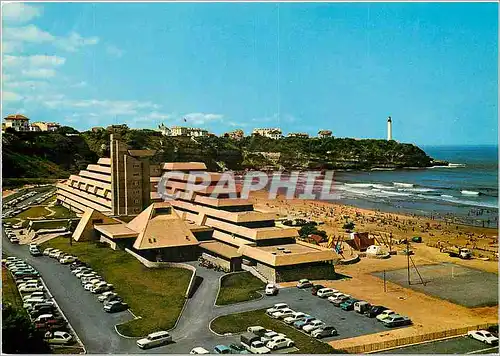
(458, 284)
(348, 323)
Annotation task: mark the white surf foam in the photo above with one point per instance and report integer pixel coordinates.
(469, 192)
(404, 185)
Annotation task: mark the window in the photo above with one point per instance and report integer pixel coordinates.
(137, 166)
(136, 174)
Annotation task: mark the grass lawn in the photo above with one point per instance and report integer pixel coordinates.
(32, 213)
(49, 200)
(156, 295)
(9, 290)
(236, 323)
(239, 287)
(61, 212)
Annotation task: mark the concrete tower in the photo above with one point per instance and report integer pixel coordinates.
(389, 129)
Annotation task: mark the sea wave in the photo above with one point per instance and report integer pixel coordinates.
(359, 185)
(382, 186)
(469, 192)
(404, 185)
(419, 190)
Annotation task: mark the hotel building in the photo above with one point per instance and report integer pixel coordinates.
(120, 204)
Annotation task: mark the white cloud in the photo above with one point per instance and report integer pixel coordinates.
(16, 36)
(75, 41)
(19, 12)
(114, 51)
(11, 96)
(31, 84)
(201, 118)
(35, 61)
(29, 33)
(11, 46)
(39, 73)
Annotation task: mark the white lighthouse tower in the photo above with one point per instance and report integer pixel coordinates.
(389, 129)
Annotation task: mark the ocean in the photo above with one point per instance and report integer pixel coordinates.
(467, 191)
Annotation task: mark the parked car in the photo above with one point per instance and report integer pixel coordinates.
(238, 349)
(113, 298)
(105, 295)
(30, 288)
(361, 307)
(374, 311)
(115, 306)
(279, 343)
(26, 281)
(339, 300)
(199, 351)
(304, 283)
(47, 251)
(78, 264)
(80, 269)
(257, 330)
(271, 289)
(14, 240)
(316, 288)
(222, 349)
(295, 317)
(313, 325)
(67, 259)
(38, 294)
(303, 322)
(270, 335)
(59, 337)
(396, 320)
(28, 303)
(326, 292)
(154, 339)
(483, 336)
(276, 307)
(385, 314)
(348, 304)
(253, 343)
(324, 331)
(283, 313)
(34, 251)
(54, 252)
(101, 287)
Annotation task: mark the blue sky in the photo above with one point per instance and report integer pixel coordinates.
(302, 67)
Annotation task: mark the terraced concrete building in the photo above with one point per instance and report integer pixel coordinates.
(211, 221)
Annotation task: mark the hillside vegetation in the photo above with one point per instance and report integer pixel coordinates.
(56, 155)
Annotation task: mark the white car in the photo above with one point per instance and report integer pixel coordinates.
(86, 274)
(295, 317)
(105, 295)
(80, 269)
(60, 337)
(47, 251)
(101, 287)
(34, 295)
(385, 314)
(67, 259)
(272, 289)
(30, 288)
(271, 335)
(326, 292)
(279, 343)
(154, 339)
(199, 351)
(30, 281)
(313, 325)
(483, 336)
(53, 253)
(276, 307)
(335, 296)
(283, 313)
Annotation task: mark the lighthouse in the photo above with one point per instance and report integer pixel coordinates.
(389, 129)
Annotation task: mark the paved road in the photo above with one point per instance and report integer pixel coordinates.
(458, 345)
(97, 332)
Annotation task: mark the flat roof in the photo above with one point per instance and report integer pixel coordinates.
(116, 231)
(220, 248)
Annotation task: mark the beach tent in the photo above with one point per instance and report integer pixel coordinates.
(375, 250)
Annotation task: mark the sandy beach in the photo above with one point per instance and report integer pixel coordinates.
(483, 241)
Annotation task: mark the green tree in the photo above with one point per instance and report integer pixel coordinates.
(18, 333)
